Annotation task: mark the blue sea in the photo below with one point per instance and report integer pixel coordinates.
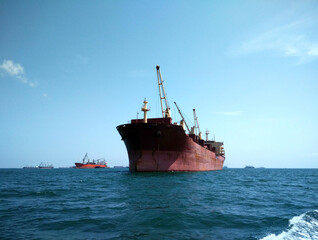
(116, 204)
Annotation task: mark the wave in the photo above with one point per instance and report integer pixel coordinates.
(302, 227)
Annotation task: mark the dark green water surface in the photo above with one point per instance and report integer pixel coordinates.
(116, 204)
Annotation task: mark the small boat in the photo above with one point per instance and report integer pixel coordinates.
(87, 163)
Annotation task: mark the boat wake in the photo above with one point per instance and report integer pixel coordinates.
(302, 227)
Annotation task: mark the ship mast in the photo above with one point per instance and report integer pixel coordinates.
(182, 117)
(145, 110)
(162, 95)
(196, 124)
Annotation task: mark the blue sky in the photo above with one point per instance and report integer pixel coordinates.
(71, 71)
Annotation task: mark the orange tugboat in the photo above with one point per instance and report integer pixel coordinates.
(99, 163)
(158, 145)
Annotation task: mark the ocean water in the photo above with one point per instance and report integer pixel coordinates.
(115, 204)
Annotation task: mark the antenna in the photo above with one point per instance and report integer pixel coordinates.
(207, 135)
(162, 95)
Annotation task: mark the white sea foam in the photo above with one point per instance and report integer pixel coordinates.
(303, 227)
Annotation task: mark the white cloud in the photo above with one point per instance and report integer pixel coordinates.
(296, 39)
(234, 113)
(313, 51)
(290, 45)
(44, 95)
(33, 84)
(15, 70)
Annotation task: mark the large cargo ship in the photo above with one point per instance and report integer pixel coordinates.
(87, 163)
(158, 145)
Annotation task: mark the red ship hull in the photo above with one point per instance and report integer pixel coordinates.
(160, 147)
(82, 165)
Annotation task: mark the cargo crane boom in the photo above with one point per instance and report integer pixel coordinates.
(182, 116)
(196, 124)
(162, 95)
(85, 157)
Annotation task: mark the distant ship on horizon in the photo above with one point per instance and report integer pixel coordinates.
(45, 166)
(249, 166)
(99, 163)
(27, 167)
